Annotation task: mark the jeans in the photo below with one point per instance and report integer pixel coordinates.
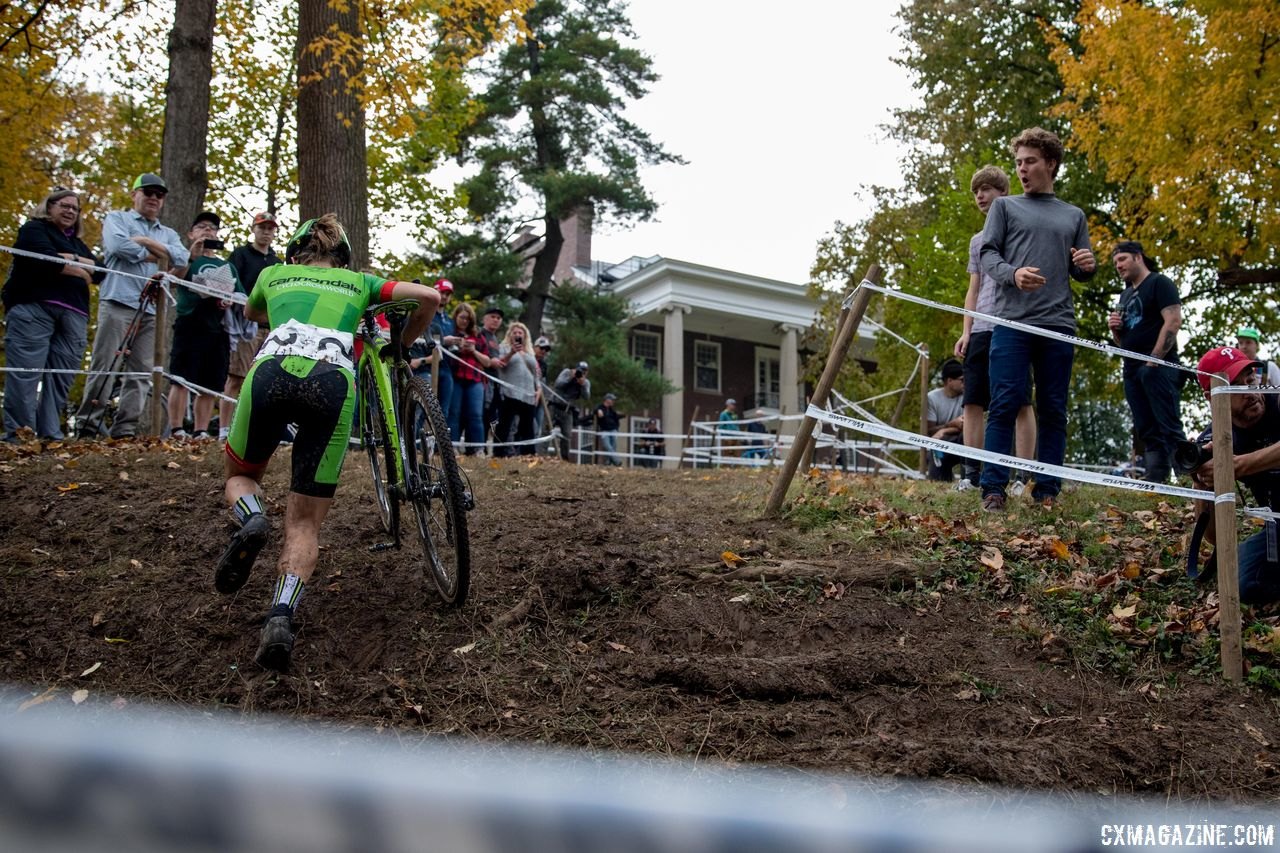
(608, 447)
(1154, 397)
(444, 393)
(113, 322)
(466, 412)
(1050, 360)
(41, 335)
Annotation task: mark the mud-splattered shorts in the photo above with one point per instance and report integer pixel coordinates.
(317, 396)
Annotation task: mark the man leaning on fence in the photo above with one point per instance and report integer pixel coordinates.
(136, 246)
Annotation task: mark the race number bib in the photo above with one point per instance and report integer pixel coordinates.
(296, 338)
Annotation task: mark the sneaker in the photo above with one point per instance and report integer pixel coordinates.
(964, 485)
(178, 435)
(237, 561)
(1017, 488)
(993, 502)
(276, 647)
(1047, 502)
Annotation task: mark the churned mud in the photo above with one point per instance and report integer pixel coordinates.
(602, 616)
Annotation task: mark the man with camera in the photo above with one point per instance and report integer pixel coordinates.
(1255, 443)
(201, 346)
(572, 387)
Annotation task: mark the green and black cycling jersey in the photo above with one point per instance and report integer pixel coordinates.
(304, 372)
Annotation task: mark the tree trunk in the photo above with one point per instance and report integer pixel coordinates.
(274, 178)
(186, 112)
(333, 168)
(544, 267)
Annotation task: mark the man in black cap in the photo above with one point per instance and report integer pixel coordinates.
(201, 347)
(135, 246)
(249, 261)
(1147, 320)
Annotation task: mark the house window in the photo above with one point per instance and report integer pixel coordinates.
(768, 377)
(646, 348)
(706, 366)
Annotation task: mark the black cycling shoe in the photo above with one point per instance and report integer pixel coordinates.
(276, 647)
(237, 561)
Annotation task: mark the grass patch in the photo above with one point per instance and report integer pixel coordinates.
(1099, 579)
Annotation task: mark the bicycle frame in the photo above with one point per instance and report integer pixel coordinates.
(387, 396)
(390, 371)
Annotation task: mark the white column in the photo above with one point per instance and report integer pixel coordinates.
(789, 390)
(673, 371)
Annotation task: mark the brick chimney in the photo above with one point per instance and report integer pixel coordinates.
(576, 251)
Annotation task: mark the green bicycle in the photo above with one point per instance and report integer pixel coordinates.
(410, 454)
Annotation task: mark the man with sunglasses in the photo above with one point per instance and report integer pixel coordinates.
(1255, 445)
(136, 246)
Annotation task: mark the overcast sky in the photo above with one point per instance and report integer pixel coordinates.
(777, 107)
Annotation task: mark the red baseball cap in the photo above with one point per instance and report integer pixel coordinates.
(444, 285)
(1227, 360)
(264, 216)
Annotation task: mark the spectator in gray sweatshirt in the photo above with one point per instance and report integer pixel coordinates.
(1032, 245)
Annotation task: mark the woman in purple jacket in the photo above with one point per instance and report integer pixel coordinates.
(46, 307)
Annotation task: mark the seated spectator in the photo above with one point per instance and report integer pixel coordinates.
(651, 445)
(47, 317)
(945, 417)
(518, 367)
(1249, 342)
(201, 346)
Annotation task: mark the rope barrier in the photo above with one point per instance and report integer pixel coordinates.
(165, 278)
(1035, 330)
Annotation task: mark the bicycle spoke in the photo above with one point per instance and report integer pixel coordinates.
(435, 489)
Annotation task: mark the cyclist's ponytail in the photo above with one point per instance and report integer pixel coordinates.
(319, 239)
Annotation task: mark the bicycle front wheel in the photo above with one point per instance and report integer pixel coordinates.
(376, 439)
(437, 494)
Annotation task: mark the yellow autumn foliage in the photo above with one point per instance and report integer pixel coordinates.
(1180, 105)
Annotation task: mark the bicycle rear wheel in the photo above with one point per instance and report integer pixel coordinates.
(434, 488)
(376, 439)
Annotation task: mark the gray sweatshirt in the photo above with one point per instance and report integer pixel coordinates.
(1035, 230)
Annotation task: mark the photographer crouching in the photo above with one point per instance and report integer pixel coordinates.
(1255, 442)
(572, 387)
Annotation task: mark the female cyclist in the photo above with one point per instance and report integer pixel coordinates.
(303, 374)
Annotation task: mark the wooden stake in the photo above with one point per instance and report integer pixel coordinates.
(1224, 517)
(924, 406)
(847, 328)
(160, 360)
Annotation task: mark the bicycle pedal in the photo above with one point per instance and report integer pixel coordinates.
(383, 546)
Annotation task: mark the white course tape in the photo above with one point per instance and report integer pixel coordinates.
(891, 333)
(1245, 389)
(1006, 461)
(1225, 498)
(1034, 330)
(238, 298)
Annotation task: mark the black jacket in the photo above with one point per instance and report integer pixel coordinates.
(32, 280)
